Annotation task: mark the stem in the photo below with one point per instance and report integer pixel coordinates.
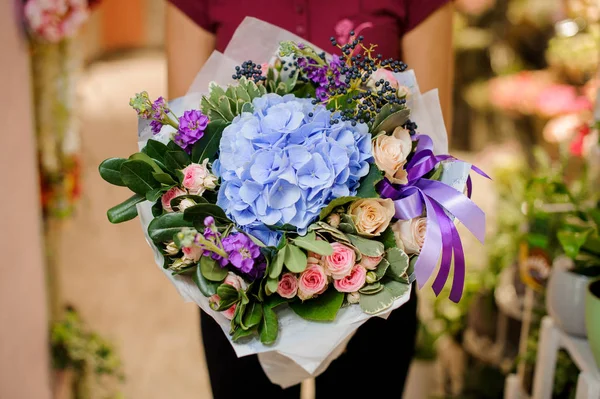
(212, 247)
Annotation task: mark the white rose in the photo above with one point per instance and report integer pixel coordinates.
(390, 153)
(185, 203)
(410, 234)
(353, 297)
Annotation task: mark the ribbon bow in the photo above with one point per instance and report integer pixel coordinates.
(442, 203)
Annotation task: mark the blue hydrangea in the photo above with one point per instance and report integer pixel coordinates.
(285, 161)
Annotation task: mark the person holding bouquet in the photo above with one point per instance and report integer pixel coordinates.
(418, 32)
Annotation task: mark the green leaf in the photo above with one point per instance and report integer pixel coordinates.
(269, 327)
(157, 209)
(164, 227)
(322, 308)
(197, 213)
(164, 178)
(277, 264)
(310, 243)
(206, 287)
(271, 286)
(381, 268)
(110, 171)
(396, 288)
(367, 246)
(368, 183)
(388, 238)
(537, 240)
(273, 301)
(196, 198)
(372, 304)
(252, 316)
(241, 333)
(398, 260)
(341, 201)
(208, 145)
(156, 193)
(137, 176)
(572, 242)
(324, 228)
(371, 289)
(395, 119)
(595, 216)
(295, 260)
(228, 296)
(247, 107)
(211, 270)
(177, 160)
(126, 210)
(186, 270)
(155, 150)
(140, 156)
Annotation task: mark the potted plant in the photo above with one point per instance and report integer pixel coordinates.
(571, 274)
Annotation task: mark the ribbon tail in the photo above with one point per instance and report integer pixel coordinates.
(480, 172)
(469, 187)
(458, 282)
(446, 227)
(432, 246)
(457, 204)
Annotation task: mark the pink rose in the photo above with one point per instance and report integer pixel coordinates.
(287, 286)
(197, 178)
(312, 281)
(352, 282)
(235, 281)
(168, 196)
(370, 262)
(192, 253)
(339, 264)
(410, 234)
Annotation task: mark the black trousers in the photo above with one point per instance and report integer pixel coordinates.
(375, 362)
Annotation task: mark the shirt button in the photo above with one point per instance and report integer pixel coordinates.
(300, 30)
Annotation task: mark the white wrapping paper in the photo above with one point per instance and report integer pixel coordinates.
(303, 349)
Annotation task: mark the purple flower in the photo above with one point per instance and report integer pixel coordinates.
(320, 75)
(242, 251)
(209, 221)
(159, 106)
(156, 126)
(191, 129)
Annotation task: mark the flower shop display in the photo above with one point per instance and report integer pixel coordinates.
(292, 198)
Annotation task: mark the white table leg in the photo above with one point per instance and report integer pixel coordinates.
(512, 387)
(543, 379)
(587, 388)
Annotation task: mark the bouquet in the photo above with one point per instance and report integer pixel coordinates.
(293, 198)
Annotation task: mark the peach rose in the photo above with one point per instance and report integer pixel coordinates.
(197, 178)
(410, 234)
(390, 153)
(287, 286)
(352, 282)
(235, 281)
(339, 264)
(312, 281)
(370, 262)
(168, 196)
(372, 215)
(192, 253)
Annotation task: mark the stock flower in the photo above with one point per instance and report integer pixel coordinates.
(339, 264)
(352, 282)
(372, 215)
(286, 161)
(191, 129)
(287, 286)
(197, 178)
(312, 281)
(410, 234)
(159, 113)
(390, 153)
(168, 196)
(243, 254)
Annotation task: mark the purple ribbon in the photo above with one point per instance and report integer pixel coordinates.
(441, 203)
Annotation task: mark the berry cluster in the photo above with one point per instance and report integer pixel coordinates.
(411, 127)
(250, 70)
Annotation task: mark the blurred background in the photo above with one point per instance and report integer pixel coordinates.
(84, 311)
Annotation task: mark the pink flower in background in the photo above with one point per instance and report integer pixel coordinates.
(352, 282)
(561, 99)
(54, 20)
(370, 262)
(168, 196)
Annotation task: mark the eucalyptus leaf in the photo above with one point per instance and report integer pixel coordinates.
(295, 260)
(110, 171)
(399, 261)
(137, 176)
(211, 270)
(322, 308)
(277, 264)
(207, 288)
(126, 210)
(164, 227)
(368, 247)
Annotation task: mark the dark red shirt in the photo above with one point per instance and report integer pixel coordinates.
(382, 22)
